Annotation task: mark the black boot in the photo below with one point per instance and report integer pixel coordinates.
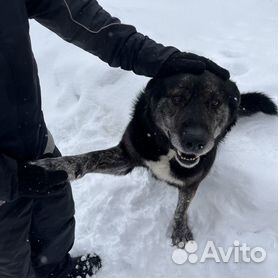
(85, 266)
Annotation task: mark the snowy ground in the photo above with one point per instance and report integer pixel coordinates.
(87, 106)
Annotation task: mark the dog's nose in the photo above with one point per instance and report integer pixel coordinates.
(194, 139)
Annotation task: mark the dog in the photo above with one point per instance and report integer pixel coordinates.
(175, 129)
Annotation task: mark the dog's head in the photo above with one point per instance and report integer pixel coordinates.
(193, 111)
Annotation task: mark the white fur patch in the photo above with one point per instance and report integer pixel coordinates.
(161, 168)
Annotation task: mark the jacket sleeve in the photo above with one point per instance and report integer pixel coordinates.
(8, 179)
(86, 24)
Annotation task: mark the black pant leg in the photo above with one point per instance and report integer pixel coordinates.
(52, 232)
(15, 250)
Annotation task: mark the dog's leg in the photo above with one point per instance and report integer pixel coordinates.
(114, 161)
(181, 232)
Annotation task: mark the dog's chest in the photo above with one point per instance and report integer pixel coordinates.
(162, 170)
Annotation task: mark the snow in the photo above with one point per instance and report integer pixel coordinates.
(87, 105)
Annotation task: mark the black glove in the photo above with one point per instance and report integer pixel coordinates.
(190, 63)
(35, 181)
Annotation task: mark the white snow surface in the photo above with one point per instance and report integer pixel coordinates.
(87, 106)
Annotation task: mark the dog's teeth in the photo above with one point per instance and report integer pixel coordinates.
(184, 157)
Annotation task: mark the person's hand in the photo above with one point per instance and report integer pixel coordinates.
(36, 181)
(182, 62)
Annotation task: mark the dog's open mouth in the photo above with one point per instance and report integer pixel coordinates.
(187, 160)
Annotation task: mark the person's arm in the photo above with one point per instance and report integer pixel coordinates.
(86, 24)
(8, 179)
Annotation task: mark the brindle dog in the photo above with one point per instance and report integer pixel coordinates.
(174, 132)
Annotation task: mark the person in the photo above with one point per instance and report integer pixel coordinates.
(36, 208)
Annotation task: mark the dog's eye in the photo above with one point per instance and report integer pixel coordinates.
(176, 99)
(215, 103)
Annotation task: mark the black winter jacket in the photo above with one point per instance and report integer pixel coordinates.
(23, 133)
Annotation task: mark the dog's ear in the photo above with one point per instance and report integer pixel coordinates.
(144, 99)
(153, 86)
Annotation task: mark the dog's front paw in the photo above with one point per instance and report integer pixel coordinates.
(49, 164)
(181, 235)
(56, 164)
